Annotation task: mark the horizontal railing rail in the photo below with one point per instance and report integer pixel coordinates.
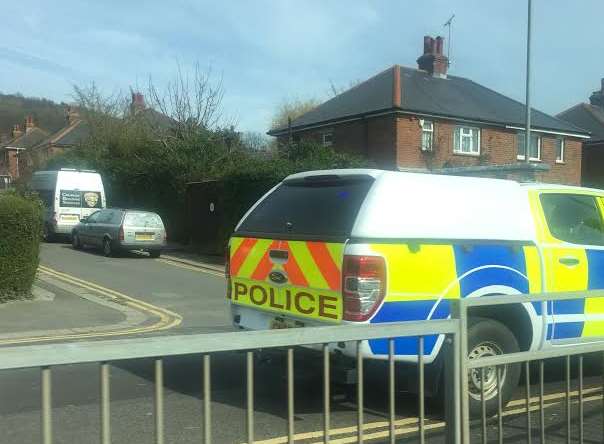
(165, 346)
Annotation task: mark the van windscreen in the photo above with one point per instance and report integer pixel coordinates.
(314, 206)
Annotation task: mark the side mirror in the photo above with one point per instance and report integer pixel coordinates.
(84, 219)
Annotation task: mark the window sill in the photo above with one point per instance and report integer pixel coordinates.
(560, 162)
(457, 153)
(532, 159)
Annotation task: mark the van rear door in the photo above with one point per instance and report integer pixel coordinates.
(286, 256)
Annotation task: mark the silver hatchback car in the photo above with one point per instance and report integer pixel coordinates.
(116, 230)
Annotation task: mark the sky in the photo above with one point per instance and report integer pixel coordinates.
(267, 52)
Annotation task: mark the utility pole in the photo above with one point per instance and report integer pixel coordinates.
(527, 139)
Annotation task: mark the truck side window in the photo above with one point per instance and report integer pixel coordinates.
(574, 218)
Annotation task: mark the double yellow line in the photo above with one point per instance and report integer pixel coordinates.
(411, 425)
(185, 266)
(166, 318)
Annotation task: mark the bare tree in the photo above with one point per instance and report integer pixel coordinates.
(192, 100)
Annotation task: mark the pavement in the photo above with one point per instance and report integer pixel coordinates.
(82, 295)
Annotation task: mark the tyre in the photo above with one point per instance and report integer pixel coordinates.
(107, 248)
(47, 234)
(75, 241)
(155, 253)
(487, 337)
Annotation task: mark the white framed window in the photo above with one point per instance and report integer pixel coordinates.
(534, 149)
(560, 145)
(327, 138)
(427, 135)
(467, 140)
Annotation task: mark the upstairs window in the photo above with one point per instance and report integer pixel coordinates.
(467, 140)
(560, 150)
(534, 150)
(327, 138)
(427, 135)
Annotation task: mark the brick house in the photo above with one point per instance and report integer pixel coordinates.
(13, 153)
(590, 116)
(428, 120)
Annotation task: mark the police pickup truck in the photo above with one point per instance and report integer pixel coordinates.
(371, 246)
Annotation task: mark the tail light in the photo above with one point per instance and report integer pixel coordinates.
(121, 234)
(227, 269)
(364, 284)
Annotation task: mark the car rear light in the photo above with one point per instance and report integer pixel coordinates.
(364, 286)
(121, 234)
(227, 269)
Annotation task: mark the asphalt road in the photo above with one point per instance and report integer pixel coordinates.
(199, 298)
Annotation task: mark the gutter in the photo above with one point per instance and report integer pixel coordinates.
(378, 113)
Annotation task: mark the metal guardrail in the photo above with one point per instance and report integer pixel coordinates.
(158, 348)
(457, 366)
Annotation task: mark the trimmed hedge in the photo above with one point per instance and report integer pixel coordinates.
(21, 220)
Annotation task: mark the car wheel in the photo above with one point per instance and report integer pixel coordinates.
(155, 253)
(107, 248)
(487, 337)
(75, 241)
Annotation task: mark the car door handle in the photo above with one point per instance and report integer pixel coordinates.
(569, 261)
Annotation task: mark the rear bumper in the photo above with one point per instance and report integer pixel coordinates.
(147, 246)
(62, 228)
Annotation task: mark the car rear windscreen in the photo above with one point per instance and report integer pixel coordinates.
(321, 206)
(141, 219)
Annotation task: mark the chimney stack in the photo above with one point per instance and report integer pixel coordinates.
(433, 60)
(72, 115)
(597, 97)
(16, 131)
(29, 124)
(138, 102)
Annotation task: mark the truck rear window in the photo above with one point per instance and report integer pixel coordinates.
(314, 206)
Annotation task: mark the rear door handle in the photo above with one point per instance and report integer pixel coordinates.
(569, 261)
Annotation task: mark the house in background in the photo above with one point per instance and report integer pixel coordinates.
(14, 151)
(425, 119)
(591, 117)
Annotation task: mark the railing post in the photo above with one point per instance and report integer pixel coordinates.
(452, 381)
(459, 311)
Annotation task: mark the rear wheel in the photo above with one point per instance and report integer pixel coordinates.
(75, 241)
(487, 337)
(107, 248)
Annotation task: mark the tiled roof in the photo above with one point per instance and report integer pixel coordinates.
(589, 117)
(421, 93)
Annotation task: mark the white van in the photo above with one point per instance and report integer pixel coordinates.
(69, 195)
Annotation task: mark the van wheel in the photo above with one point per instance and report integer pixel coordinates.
(47, 235)
(75, 241)
(487, 337)
(107, 248)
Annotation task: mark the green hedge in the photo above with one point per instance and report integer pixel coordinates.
(20, 232)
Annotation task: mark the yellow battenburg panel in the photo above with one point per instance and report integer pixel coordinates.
(562, 277)
(324, 305)
(254, 257)
(307, 265)
(533, 269)
(419, 274)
